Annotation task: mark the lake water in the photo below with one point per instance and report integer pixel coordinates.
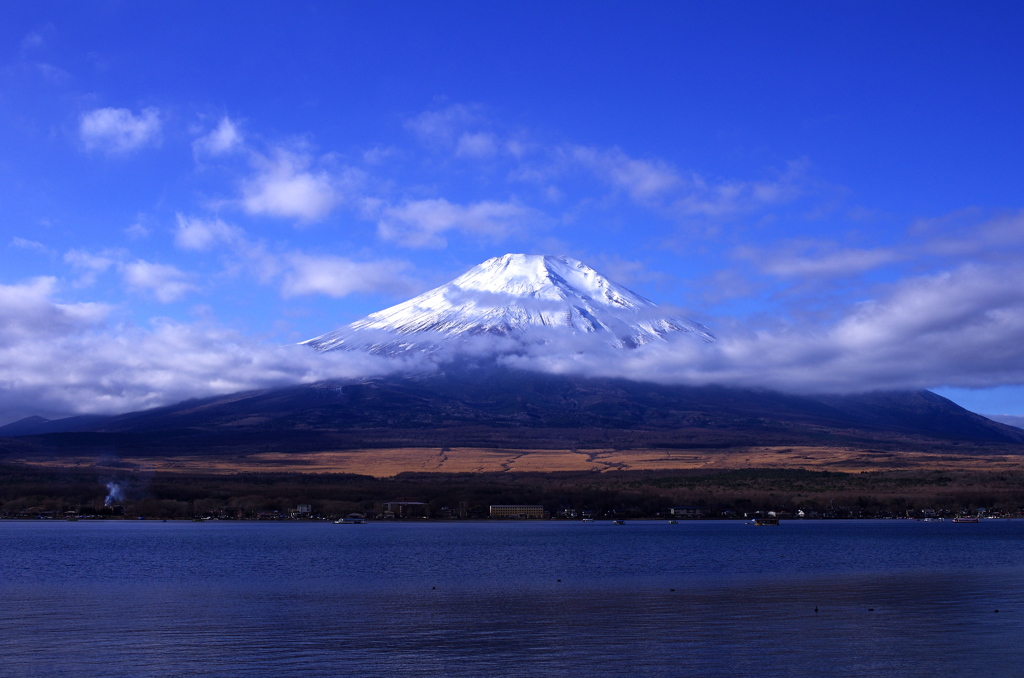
(701, 598)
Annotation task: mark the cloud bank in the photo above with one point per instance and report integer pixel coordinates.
(60, 359)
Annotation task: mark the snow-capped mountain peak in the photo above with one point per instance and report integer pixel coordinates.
(524, 297)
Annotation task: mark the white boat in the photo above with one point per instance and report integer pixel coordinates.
(351, 519)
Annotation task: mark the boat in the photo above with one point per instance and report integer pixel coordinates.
(618, 522)
(966, 519)
(673, 522)
(351, 519)
(766, 521)
(588, 520)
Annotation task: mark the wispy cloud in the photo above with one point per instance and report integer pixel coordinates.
(31, 245)
(89, 265)
(467, 133)
(335, 276)
(477, 145)
(297, 273)
(642, 180)
(444, 127)
(194, 233)
(819, 259)
(424, 223)
(165, 282)
(656, 183)
(118, 130)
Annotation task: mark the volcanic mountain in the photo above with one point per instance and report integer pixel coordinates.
(508, 304)
(518, 298)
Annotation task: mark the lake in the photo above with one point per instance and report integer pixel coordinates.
(551, 598)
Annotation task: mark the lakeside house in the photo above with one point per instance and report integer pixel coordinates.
(405, 509)
(518, 511)
(686, 512)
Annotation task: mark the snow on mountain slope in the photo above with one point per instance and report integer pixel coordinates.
(521, 297)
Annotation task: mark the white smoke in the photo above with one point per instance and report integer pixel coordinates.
(115, 493)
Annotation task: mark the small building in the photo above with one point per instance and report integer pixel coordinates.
(686, 511)
(405, 509)
(518, 511)
(303, 511)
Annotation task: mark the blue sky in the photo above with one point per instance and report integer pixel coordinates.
(188, 188)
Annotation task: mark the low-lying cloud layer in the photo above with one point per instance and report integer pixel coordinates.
(961, 328)
(60, 359)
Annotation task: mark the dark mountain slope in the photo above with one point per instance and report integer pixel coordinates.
(505, 408)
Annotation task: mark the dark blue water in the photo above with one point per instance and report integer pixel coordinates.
(893, 598)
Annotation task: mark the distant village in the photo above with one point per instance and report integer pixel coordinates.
(407, 509)
(743, 494)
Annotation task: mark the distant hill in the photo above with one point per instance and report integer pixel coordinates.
(1008, 419)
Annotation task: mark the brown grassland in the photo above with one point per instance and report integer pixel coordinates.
(463, 481)
(386, 463)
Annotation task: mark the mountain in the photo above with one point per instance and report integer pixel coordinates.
(508, 303)
(513, 409)
(33, 425)
(519, 298)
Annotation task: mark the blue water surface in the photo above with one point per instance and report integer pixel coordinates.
(701, 598)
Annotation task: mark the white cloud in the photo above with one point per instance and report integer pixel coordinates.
(58, 359)
(27, 312)
(814, 259)
(118, 130)
(478, 145)
(137, 231)
(298, 273)
(33, 40)
(287, 186)
(24, 244)
(163, 281)
(960, 235)
(339, 276)
(656, 183)
(225, 138)
(193, 233)
(422, 223)
(963, 328)
(643, 180)
(77, 368)
(442, 127)
(90, 265)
